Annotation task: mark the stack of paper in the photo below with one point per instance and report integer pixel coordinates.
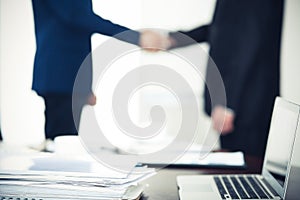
(49, 176)
(42, 184)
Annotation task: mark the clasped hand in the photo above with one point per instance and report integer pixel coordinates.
(154, 41)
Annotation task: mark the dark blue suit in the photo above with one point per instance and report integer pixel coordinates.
(63, 30)
(244, 39)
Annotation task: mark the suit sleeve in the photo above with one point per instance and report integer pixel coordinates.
(200, 34)
(79, 14)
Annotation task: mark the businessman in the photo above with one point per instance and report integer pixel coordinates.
(244, 39)
(63, 32)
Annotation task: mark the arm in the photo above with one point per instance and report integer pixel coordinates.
(200, 34)
(79, 14)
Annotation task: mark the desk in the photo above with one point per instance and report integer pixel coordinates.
(163, 186)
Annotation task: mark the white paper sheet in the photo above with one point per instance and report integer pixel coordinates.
(192, 158)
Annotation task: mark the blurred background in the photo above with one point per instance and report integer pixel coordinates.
(22, 111)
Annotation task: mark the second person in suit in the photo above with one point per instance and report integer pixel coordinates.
(244, 39)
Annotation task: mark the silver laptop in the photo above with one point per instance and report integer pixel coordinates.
(271, 183)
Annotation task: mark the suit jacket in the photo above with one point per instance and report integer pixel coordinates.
(63, 29)
(244, 39)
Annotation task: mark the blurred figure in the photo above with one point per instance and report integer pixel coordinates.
(63, 40)
(244, 39)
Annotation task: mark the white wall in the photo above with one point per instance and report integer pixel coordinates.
(173, 15)
(21, 109)
(290, 62)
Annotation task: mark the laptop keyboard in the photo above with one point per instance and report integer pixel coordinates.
(241, 187)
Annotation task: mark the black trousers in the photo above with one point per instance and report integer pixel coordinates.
(60, 118)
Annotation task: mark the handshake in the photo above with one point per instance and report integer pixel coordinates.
(154, 41)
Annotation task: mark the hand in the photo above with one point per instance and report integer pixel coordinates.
(153, 41)
(223, 120)
(170, 42)
(92, 99)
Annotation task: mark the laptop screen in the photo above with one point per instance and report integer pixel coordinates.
(281, 139)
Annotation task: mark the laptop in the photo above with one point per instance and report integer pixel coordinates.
(271, 183)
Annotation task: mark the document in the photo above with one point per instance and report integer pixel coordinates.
(213, 159)
(50, 176)
(69, 185)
